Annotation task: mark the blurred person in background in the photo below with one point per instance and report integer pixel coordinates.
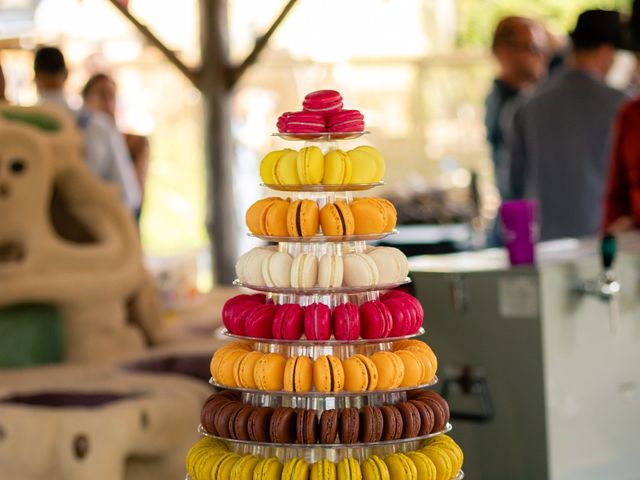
(561, 136)
(3, 98)
(519, 46)
(50, 69)
(99, 95)
(622, 203)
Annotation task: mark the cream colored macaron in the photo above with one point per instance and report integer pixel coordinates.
(304, 271)
(392, 264)
(330, 271)
(276, 270)
(360, 270)
(249, 266)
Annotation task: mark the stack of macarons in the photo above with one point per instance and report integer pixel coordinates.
(237, 365)
(309, 166)
(266, 267)
(396, 314)
(275, 216)
(321, 112)
(224, 415)
(439, 458)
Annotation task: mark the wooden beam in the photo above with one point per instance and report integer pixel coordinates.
(261, 43)
(191, 74)
(221, 219)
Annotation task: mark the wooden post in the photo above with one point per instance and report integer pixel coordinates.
(215, 79)
(216, 92)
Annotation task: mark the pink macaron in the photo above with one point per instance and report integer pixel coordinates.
(236, 309)
(410, 299)
(322, 101)
(346, 322)
(258, 323)
(404, 316)
(375, 320)
(345, 121)
(302, 122)
(288, 324)
(282, 121)
(317, 322)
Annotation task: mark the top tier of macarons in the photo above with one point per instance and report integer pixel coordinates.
(322, 115)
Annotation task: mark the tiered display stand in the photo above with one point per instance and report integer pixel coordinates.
(319, 401)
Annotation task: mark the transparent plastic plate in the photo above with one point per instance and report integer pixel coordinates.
(315, 394)
(342, 187)
(320, 136)
(460, 476)
(323, 343)
(325, 238)
(322, 290)
(447, 429)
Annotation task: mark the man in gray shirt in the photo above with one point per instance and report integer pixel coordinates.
(559, 145)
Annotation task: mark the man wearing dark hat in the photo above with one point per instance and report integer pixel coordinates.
(559, 146)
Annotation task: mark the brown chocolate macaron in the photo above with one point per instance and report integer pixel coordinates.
(436, 397)
(371, 424)
(328, 426)
(224, 416)
(238, 423)
(283, 425)
(410, 419)
(259, 423)
(426, 417)
(306, 426)
(392, 420)
(349, 425)
(439, 413)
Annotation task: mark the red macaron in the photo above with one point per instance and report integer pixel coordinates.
(346, 322)
(317, 322)
(322, 101)
(236, 309)
(258, 323)
(345, 121)
(375, 320)
(301, 122)
(288, 323)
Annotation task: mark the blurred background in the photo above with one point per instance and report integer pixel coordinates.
(539, 363)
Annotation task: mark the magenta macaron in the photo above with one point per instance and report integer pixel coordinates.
(345, 121)
(375, 320)
(236, 309)
(258, 323)
(288, 323)
(301, 122)
(346, 322)
(322, 101)
(317, 322)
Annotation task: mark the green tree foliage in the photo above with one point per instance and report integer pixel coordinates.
(477, 18)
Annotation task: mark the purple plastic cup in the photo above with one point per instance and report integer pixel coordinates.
(520, 230)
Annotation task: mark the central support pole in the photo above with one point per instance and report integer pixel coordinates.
(215, 85)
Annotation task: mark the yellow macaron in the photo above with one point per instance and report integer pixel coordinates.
(328, 374)
(298, 374)
(390, 369)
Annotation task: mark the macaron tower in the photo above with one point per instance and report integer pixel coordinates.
(323, 378)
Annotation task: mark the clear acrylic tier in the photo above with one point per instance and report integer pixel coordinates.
(320, 136)
(326, 238)
(320, 188)
(316, 394)
(323, 290)
(324, 446)
(314, 350)
(304, 343)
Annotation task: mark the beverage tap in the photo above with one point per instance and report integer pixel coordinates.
(605, 286)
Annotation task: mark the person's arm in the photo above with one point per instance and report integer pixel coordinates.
(617, 205)
(516, 156)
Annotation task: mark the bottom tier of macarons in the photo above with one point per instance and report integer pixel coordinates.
(438, 458)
